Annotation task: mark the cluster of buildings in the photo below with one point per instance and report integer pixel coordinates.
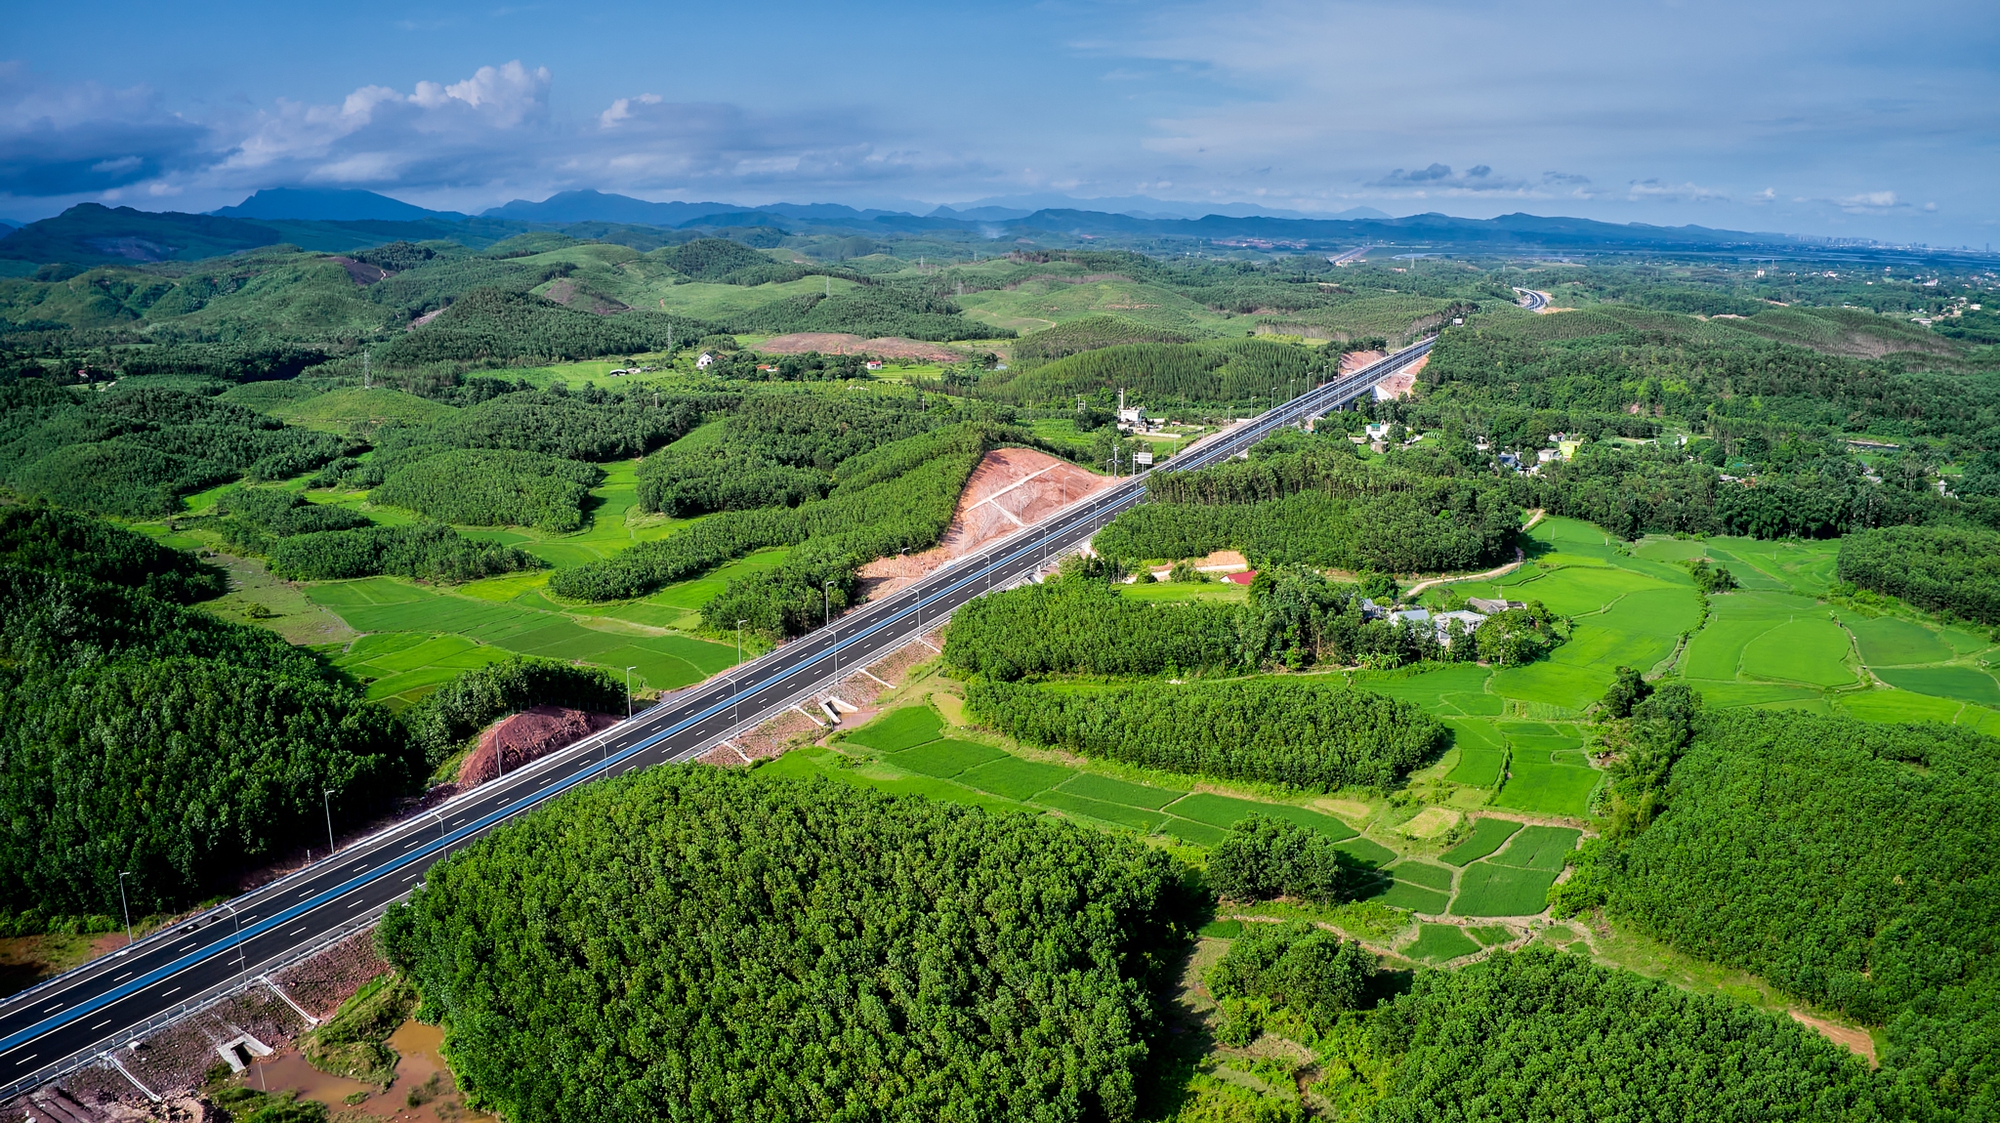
(1446, 624)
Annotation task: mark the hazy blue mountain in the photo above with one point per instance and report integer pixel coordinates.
(1004, 208)
(1513, 231)
(597, 206)
(338, 205)
(90, 233)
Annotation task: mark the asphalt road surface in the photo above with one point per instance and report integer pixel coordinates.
(116, 998)
(1532, 300)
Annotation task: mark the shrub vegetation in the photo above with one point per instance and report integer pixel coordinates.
(1262, 858)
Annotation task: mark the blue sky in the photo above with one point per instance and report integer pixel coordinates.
(1826, 118)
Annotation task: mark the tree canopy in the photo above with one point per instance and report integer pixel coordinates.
(690, 943)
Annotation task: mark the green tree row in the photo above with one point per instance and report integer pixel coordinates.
(1314, 735)
(423, 552)
(494, 487)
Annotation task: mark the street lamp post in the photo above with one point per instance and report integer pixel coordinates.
(829, 621)
(735, 699)
(242, 963)
(126, 905)
(326, 804)
(628, 692)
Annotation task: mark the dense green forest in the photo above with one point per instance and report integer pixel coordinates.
(47, 538)
(777, 448)
(1539, 1034)
(1077, 625)
(1844, 861)
(1238, 374)
(135, 452)
(1262, 859)
(1301, 967)
(1314, 735)
(1943, 569)
(139, 732)
(577, 423)
(424, 552)
(895, 957)
(141, 735)
(493, 487)
(1090, 333)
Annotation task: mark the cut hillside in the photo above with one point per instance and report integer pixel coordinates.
(1011, 488)
(528, 736)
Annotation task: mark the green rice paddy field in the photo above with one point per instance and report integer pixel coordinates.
(1776, 642)
(415, 637)
(1504, 868)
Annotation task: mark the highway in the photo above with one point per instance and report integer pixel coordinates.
(69, 1020)
(1531, 300)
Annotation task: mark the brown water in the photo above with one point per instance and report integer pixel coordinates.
(417, 1046)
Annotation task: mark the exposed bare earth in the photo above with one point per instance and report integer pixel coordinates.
(361, 272)
(526, 737)
(841, 343)
(1011, 488)
(1855, 1041)
(174, 1063)
(1354, 360)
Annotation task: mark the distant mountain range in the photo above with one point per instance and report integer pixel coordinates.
(313, 205)
(339, 220)
(1004, 208)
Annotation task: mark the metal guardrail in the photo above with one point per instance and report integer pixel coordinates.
(244, 980)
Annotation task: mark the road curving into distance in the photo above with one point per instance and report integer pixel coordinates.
(1531, 300)
(72, 1019)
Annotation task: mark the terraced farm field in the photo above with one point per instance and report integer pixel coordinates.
(913, 750)
(1776, 642)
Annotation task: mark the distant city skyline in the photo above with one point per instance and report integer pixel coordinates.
(1839, 120)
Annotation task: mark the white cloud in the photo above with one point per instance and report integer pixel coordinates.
(1653, 189)
(1868, 201)
(622, 109)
